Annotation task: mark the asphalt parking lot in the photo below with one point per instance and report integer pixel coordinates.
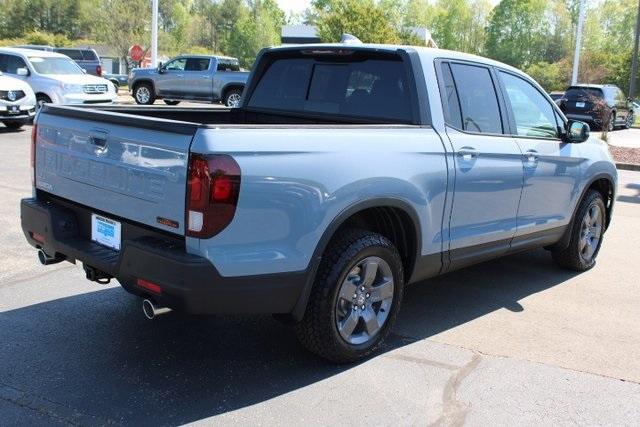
(513, 341)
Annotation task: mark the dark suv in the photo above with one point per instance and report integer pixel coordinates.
(599, 105)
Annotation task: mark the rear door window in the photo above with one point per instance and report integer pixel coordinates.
(479, 107)
(197, 64)
(371, 88)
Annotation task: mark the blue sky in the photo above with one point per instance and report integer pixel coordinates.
(300, 5)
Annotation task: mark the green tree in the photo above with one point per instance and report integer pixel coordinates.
(517, 32)
(362, 18)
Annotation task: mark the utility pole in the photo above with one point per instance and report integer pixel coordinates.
(634, 62)
(576, 56)
(154, 33)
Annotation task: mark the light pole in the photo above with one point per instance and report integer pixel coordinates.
(634, 62)
(576, 55)
(154, 33)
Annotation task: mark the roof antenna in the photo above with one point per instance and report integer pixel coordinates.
(349, 39)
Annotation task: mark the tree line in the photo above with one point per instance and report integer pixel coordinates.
(535, 35)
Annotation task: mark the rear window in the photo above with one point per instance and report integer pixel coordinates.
(369, 89)
(74, 54)
(226, 65)
(89, 55)
(574, 93)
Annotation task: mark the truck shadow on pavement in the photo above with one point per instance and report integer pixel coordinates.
(93, 359)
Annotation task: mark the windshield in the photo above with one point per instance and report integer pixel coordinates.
(53, 65)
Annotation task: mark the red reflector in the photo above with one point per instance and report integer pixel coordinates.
(150, 286)
(99, 71)
(37, 237)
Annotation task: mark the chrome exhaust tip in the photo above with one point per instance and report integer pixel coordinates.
(46, 259)
(151, 311)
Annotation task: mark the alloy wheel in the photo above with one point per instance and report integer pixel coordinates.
(364, 300)
(142, 94)
(233, 100)
(591, 232)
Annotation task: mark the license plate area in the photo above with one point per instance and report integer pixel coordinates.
(579, 104)
(13, 109)
(106, 231)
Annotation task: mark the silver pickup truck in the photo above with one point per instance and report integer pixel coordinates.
(348, 172)
(192, 78)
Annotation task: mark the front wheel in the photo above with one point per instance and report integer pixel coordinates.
(355, 298)
(143, 94)
(586, 235)
(42, 99)
(611, 124)
(630, 120)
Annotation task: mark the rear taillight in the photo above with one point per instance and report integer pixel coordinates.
(34, 135)
(213, 187)
(99, 71)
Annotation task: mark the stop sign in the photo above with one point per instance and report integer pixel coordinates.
(136, 52)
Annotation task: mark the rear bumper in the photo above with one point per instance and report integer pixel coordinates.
(188, 282)
(587, 118)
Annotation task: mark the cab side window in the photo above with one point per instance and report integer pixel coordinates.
(197, 64)
(533, 114)
(471, 102)
(10, 63)
(176, 64)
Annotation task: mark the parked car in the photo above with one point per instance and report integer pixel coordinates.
(599, 105)
(17, 102)
(55, 78)
(347, 172)
(87, 59)
(193, 78)
(117, 79)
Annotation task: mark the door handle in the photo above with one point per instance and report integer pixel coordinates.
(531, 156)
(468, 153)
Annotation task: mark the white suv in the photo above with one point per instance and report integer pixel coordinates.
(17, 102)
(55, 78)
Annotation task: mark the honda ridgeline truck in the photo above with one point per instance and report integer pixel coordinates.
(348, 172)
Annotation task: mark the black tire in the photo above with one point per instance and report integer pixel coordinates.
(628, 123)
(611, 125)
(318, 330)
(14, 125)
(41, 98)
(571, 257)
(169, 102)
(230, 98)
(115, 84)
(143, 94)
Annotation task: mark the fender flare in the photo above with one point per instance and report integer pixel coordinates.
(566, 237)
(135, 84)
(334, 226)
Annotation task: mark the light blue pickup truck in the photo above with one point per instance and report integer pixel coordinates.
(190, 78)
(348, 172)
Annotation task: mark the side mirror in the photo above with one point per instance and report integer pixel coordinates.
(160, 69)
(577, 132)
(22, 72)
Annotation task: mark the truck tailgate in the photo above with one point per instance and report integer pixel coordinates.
(127, 166)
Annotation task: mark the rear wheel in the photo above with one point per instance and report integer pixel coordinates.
(14, 125)
(170, 102)
(586, 235)
(232, 98)
(143, 94)
(355, 298)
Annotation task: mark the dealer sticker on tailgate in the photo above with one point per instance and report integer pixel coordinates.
(105, 231)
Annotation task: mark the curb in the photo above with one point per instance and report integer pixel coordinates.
(628, 166)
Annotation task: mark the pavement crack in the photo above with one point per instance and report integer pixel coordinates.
(55, 411)
(423, 361)
(454, 411)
